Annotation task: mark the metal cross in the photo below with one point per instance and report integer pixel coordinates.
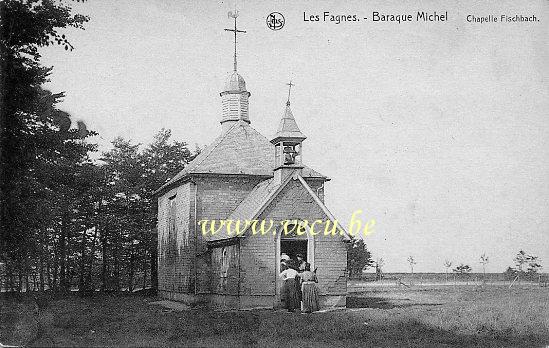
(289, 91)
(235, 31)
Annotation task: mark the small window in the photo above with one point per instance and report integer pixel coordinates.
(171, 214)
(171, 250)
(224, 262)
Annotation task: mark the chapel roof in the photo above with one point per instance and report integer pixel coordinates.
(241, 150)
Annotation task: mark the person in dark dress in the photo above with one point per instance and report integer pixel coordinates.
(309, 290)
(289, 289)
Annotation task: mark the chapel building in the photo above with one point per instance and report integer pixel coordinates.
(243, 176)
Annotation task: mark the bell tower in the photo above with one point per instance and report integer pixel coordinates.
(288, 143)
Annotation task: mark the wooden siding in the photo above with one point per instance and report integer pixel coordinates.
(216, 199)
(176, 246)
(258, 252)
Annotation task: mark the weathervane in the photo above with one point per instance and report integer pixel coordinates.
(289, 91)
(234, 14)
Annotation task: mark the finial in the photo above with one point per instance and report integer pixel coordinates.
(234, 14)
(289, 91)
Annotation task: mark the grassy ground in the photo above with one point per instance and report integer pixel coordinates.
(422, 317)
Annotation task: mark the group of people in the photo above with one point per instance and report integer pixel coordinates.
(299, 290)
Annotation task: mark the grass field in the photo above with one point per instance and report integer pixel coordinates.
(489, 316)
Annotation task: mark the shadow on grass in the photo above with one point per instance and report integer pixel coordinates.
(336, 329)
(382, 303)
(128, 320)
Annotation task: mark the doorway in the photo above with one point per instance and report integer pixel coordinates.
(292, 245)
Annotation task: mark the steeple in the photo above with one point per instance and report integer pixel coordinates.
(289, 91)
(288, 141)
(234, 97)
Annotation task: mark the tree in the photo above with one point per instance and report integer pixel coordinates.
(533, 265)
(531, 262)
(37, 145)
(447, 265)
(61, 212)
(379, 268)
(463, 270)
(520, 260)
(484, 262)
(510, 273)
(412, 262)
(127, 238)
(358, 257)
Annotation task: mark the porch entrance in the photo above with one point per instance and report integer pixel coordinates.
(291, 245)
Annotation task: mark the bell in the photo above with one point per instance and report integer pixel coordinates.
(289, 155)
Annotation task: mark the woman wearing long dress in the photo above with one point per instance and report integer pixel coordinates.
(309, 290)
(289, 289)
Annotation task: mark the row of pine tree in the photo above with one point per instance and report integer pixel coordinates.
(71, 217)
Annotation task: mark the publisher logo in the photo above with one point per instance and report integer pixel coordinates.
(275, 21)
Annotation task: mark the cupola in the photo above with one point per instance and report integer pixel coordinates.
(234, 97)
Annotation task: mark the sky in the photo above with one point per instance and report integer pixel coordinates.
(437, 130)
